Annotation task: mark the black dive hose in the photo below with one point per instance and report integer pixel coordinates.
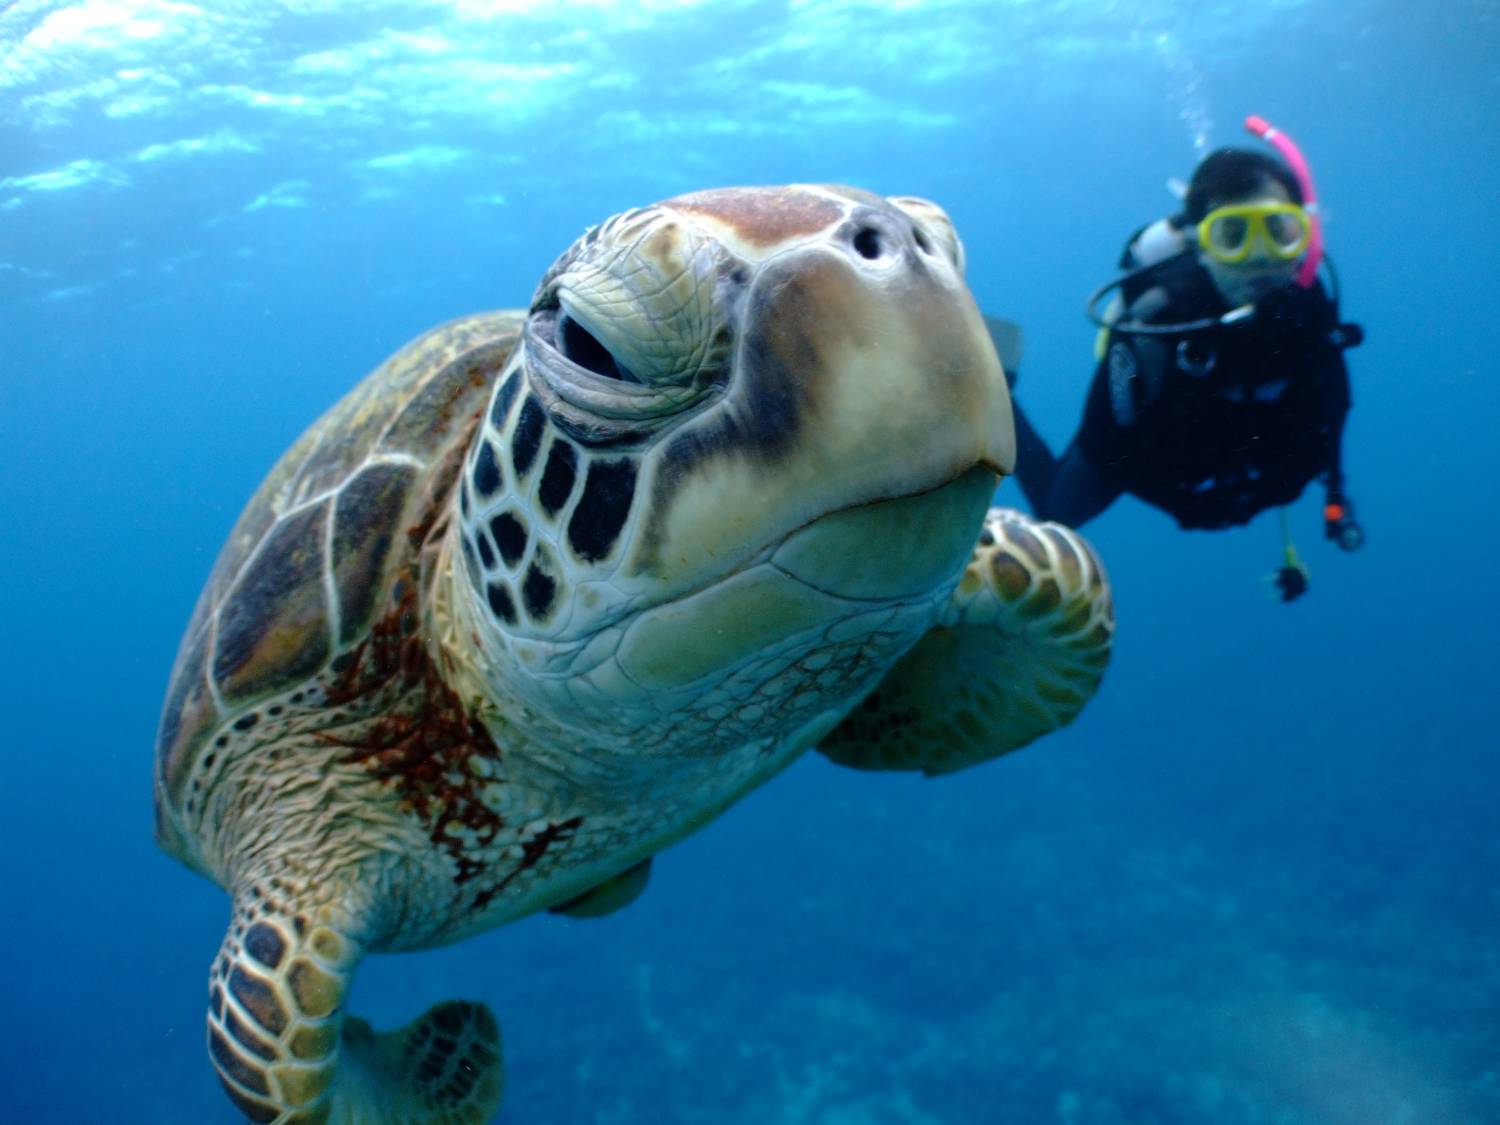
(1345, 335)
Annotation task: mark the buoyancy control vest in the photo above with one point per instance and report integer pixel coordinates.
(1224, 418)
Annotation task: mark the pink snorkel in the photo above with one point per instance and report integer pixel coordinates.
(1293, 156)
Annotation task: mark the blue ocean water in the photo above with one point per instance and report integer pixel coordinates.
(1256, 882)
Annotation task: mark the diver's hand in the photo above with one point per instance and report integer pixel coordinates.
(1287, 310)
(1348, 535)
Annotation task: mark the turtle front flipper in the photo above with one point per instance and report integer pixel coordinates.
(288, 1054)
(609, 896)
(1018, 651)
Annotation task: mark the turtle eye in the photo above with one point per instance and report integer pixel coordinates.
(628, 329)
(583, 348)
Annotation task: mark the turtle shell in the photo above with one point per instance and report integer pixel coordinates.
(342, 512)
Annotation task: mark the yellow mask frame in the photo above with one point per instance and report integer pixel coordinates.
(1230, 233)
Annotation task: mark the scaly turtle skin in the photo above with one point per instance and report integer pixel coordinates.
(551, 589)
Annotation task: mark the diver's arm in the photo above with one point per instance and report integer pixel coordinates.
(1067, 489)
(1035, 465)
(1339, 522)
(1080, 490)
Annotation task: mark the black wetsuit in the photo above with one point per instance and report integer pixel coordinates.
(1212, 425)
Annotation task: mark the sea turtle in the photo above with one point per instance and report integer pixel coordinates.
(551, 588)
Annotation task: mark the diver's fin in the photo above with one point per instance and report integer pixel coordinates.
(610, 895)
(1008, 344)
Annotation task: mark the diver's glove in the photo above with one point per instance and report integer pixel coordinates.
(1348, 335)
(1287, 306)
(1340, 525)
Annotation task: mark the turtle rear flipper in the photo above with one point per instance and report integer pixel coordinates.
(441, 1069)
(1020, 648)
(288, 1054)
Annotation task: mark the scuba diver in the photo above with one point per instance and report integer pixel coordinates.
(1221, 388)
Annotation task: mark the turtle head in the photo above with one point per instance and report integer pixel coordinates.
(736, 419)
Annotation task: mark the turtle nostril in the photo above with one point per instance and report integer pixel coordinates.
(924, 244)
(868, 243)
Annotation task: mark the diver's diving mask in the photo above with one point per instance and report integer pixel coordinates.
(1229, 233)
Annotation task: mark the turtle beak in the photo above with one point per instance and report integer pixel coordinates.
(893, 368)
(851, 389)
(999, 454)
(904, 356)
